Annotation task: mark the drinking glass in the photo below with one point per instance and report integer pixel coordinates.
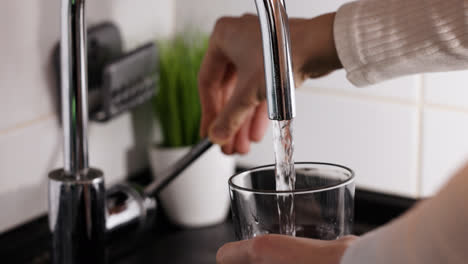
(323, 201)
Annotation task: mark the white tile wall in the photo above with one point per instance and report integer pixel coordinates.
(445, 147)
(445, 144)
(30, 138)
(376, 139)
(26, 157)
(28, 34)
(405, 89)
(139, 21)
(447, 89)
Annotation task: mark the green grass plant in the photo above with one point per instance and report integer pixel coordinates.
(177, 102)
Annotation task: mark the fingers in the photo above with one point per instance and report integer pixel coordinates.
(213, 71)
(254, 251)
(228, 148)
(252, 129)
(259, 123)
(242, 139)
(276, 249)
(235, 252)
(234, 114)
(229, 120)
(240, 143)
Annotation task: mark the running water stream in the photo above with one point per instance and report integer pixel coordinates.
(285, 174)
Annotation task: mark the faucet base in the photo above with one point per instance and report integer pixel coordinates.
(77, 217)
(129, 209)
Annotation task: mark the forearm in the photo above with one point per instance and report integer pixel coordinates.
(434, 232)
(379, 40)
(313, 47)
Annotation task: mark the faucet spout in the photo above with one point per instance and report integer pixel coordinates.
(279, 74)
(74, 82)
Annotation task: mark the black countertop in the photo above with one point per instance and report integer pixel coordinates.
(182, 247)
(166, 243)
(188, 246)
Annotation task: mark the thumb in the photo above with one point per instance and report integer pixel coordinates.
(234, 114)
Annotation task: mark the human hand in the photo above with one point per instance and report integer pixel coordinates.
(278, 249)
(232, 81)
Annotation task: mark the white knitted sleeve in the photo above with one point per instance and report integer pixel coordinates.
(378, 40)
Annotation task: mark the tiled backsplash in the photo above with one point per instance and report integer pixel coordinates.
(404, 136)
(403, 90)
(444, 145)
(377, 139)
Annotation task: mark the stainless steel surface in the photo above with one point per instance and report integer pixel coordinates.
(77, 217)
(134, 206)
(279, 75)
(77, 212)
(173, 171)
(128, 205)
(74, 83)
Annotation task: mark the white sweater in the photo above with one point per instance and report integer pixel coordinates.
(382, 39)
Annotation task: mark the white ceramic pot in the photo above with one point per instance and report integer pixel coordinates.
(199, 196)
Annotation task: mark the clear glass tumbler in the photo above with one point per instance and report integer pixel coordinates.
(323, 201)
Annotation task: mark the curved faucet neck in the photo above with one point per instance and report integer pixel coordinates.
(279, 75)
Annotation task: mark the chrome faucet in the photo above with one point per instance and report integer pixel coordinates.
(77, 216)
(81, 213)
(279, 74)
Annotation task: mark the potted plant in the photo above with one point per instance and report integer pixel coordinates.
(199, 196)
